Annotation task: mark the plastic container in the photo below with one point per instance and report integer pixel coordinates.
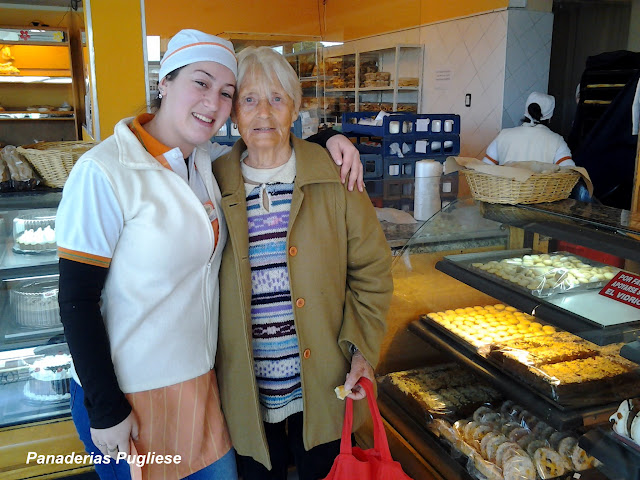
(35, 304)
(34, 232)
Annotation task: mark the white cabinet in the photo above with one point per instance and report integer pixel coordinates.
(388, 79)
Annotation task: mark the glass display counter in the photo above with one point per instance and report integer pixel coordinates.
(513, 360)
(34, 358)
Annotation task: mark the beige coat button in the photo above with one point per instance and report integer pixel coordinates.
(300, 302)
(306, 353)
(293, 251)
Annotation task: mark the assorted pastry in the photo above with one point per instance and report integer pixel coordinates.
(482, 326)
(558, 271)
(447, 390)
(510, 443)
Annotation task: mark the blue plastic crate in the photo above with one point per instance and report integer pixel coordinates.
(395, 168)
(402, 123)
(374, 187)
(437, 123)
(397, 189)
(372, 165)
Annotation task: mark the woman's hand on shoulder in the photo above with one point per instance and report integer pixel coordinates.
(345, 154)
(359, 368)
(115, 439)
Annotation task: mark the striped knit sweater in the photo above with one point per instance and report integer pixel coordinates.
(275, 343)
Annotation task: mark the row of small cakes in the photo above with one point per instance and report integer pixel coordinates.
(484, 325)
(510, 443)
(548, 271)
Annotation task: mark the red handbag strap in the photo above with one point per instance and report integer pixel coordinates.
(379, 436)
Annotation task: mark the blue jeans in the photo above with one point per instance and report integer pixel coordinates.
(223, 469)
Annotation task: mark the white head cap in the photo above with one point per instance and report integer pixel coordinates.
(191, 46)
(547, 104)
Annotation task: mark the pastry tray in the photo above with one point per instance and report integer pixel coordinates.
(468, 259)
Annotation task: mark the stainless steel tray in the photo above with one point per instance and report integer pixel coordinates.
(468, 260)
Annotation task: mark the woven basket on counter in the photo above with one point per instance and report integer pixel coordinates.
(538, 188)
(54, 160)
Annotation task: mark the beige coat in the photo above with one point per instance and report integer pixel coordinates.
(340, 271)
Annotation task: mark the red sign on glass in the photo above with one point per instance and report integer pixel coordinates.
(624, 288)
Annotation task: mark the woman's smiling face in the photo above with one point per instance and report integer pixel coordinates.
(196, 103)
(264, 113)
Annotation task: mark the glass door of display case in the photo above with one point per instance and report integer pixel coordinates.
(34, 358)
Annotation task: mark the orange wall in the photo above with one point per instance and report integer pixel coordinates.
(166, 17)
(363, 18)
(344, 20)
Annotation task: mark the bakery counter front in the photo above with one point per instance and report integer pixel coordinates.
(478, 382)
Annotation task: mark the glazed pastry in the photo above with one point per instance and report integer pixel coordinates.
(509, 426)
(529, 420)
(444, 429)
(535, 445)
(480, 432)
(565, 448)
(549, 463)
(488, 469)
(479, 414)
(506, 449)
(486, 439)
(491, 446)
(517, 433)
(525, 440)
(581, 460)
(518, 467)
(466, 449)
(468, 430)
(556, 437)
(506, 408)
(459, 426)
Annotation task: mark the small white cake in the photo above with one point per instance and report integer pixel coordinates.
(49, 379)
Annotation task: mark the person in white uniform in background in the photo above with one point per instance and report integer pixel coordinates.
(533, 140)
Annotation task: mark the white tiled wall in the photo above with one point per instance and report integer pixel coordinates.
(498, 57)
(527, 62)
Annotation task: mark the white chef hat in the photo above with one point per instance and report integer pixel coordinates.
(547, 104)
(190, 46)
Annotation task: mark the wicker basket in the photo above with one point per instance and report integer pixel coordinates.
(538, 188)
(54, 160)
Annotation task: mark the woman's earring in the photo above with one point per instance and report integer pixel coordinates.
(159, 94)
(235, 126)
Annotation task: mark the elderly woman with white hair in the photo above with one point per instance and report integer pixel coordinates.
(533, 140)
(305, 281)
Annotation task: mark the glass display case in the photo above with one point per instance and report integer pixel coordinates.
(496, 377)
(34, 360)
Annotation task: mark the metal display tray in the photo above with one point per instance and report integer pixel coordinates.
(468, 259)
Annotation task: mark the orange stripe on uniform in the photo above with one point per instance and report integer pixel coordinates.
(197, 45)
(83, 257)
(492, 159)
(562, 160)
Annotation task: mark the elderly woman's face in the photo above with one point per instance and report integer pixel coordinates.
(264, 114)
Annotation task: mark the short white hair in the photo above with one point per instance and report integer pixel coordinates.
(268, 68)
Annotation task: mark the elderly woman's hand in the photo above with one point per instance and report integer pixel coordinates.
(359, 368)
(346, 155)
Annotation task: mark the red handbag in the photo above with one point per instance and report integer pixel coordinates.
(373, 464)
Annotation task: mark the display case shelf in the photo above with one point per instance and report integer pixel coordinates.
(558, 417)
(594, 329)
(421, 439)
